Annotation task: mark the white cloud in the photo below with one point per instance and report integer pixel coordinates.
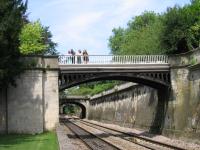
(85, 21)
(77, 27)
(76, 32)
(125, 10)
(88, 24)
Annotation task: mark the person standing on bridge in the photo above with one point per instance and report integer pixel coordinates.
(79, 54)
(69, 58)
(85, 57)
(73, 56)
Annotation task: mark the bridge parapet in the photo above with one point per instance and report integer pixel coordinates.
(40, 62)
(113, 59)
(191, 58)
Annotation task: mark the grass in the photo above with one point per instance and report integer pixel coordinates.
(92, 88)
(45, 141)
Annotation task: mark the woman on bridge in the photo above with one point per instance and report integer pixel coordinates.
(79, 54)
(73, 56)
(85, 57)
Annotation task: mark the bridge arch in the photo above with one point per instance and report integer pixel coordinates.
(82, 106)
(154, 80)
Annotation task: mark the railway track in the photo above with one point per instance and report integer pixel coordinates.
(91, 141)
(142, 141)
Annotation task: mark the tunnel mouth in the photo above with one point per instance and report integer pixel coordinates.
(72, 104)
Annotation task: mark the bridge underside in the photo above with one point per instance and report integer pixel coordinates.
(156, 76)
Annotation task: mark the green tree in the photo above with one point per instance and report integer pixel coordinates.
(36, 39)
(116, 40)
(47, 40)
(183, 24)
(12, 18)
(142, 36)
(175, 31)
(32, 39)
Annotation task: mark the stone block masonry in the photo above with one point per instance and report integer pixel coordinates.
(183, 115)
(32, 106)
(25, 104)
(51, 97)
(131, 106)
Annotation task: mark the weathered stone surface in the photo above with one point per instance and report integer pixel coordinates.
(51, 109)
(33, 104)
(132, 107)
(181, 91)
(183, 115)
(2, 111)
(25, 104)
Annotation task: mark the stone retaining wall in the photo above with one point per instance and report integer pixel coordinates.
(134, 106)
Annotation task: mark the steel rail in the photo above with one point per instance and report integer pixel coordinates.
(98, 139)
(139, 137)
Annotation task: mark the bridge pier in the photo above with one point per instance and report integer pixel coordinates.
(183, 115)
(180, 96)
(32, 106)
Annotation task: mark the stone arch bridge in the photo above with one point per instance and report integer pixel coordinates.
(152, 70)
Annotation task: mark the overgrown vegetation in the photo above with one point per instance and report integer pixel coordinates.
(175, 31)
(71, 109)
(45, 141)
(92, 88)
(184, 26)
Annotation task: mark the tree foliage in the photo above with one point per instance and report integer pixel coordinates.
(140, 37)
(116, 41)
(183, 24)
(175, 31)
(47, 40)
(36, 39)
(12, 18)
(71, 109)
(31, 39)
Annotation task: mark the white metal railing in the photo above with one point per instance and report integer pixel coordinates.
(113, 59)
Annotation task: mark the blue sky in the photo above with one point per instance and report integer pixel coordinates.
(87, 24)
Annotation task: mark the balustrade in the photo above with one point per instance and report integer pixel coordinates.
(113, 59)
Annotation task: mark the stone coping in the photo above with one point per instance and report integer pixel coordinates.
(41, 56)
(113, 90)
(186, 53)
